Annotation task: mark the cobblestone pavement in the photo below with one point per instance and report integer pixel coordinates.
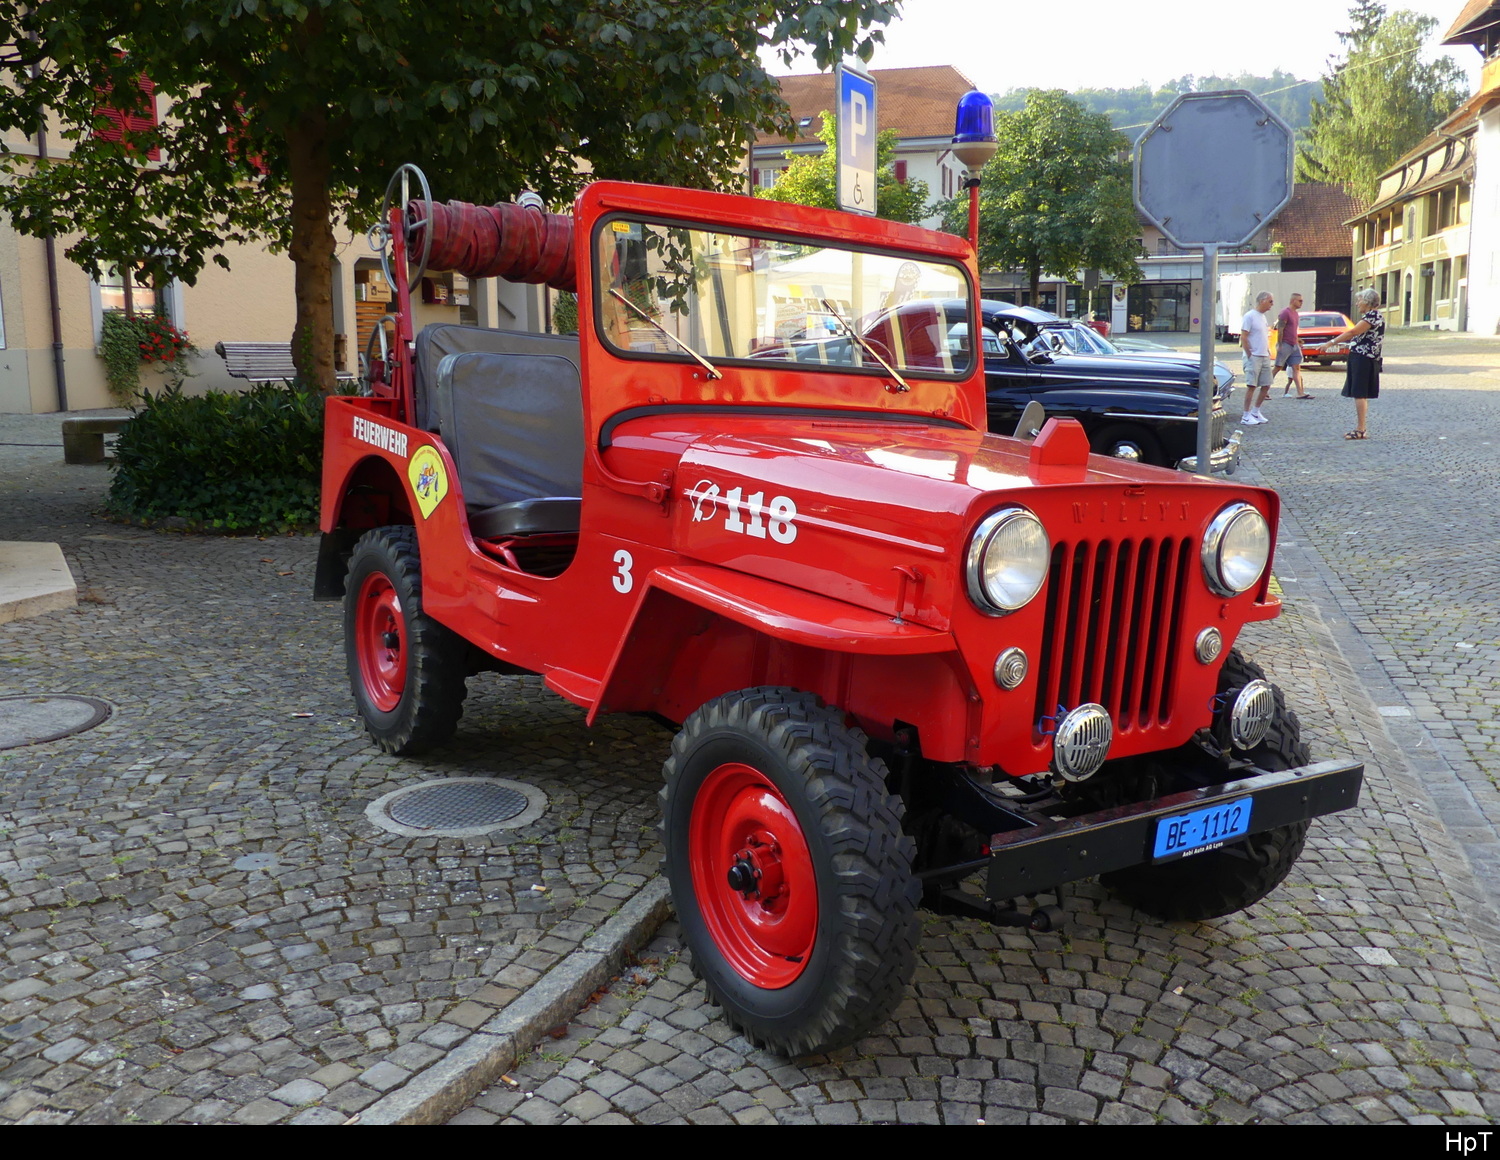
(142, 975)
(145, 977)
(1405, 535)
(1362, 991)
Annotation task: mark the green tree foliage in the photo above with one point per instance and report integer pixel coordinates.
(1379, 101)
(809, 179)
(283, 118)
(1055, 198)
(1131, 110)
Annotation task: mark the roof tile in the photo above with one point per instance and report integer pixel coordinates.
(916, 102)
(1312, 224)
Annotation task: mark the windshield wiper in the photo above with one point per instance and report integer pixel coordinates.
(902, 384)
(713, 371)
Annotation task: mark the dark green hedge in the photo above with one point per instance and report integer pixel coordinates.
(228, 462)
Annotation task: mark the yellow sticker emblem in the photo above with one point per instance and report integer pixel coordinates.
(428, 479)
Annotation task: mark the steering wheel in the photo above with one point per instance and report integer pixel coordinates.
(378, 337)
(415, 215)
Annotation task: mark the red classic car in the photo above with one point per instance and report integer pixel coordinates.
(1316, 327)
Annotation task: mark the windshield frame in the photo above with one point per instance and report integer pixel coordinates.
(603, 227)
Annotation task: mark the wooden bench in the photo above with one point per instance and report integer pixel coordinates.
(263, 362)
(83, 436)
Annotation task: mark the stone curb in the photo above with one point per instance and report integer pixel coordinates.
(443, 1089)
(34, 579)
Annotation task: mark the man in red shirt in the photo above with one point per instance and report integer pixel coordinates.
(1288, 349)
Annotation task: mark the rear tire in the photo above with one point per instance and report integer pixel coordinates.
(789, 870)
(406, 670)
(1223, 881)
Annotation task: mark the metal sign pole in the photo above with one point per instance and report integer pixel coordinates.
(1207, 312)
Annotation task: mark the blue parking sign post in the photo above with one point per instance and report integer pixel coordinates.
(855, 172)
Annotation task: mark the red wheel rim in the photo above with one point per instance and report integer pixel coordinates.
(380, 642)
(753, 876)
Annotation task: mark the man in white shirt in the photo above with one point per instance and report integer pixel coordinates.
(1255, 341)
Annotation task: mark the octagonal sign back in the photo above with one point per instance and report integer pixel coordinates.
(1213, 169)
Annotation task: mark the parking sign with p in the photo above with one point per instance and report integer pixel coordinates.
(856, 141)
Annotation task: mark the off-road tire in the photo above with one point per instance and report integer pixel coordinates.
(1223, 881)
(429, 664)
(863, 952)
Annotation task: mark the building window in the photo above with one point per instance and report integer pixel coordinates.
(1449, 211)
(900, 167)
(126, 290)
(1160, 306)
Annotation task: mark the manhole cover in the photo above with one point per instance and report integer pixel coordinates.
(30, 720)
(457, 807)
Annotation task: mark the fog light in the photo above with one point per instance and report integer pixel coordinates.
(1082, 743)
(1209, 645)
(1011, 668)
(1250, 716)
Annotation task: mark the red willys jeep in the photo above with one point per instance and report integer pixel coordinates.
(753, 499)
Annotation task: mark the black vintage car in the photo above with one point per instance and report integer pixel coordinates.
(1143, 408)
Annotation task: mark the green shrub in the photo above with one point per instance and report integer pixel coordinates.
(229, 462)
(565, 314)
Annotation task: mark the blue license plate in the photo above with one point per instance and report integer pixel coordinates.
(1203, 829)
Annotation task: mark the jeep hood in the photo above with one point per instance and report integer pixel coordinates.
(862, 512)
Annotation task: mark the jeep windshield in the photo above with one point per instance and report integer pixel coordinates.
(733, 297)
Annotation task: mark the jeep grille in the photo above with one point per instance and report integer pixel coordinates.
(1113, 623)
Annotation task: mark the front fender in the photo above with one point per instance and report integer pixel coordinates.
(700, 630)
(796, 616)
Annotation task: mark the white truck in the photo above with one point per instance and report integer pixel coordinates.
(1237, 294)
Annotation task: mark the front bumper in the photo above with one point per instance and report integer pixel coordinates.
(1037, 858)
(1223, 461)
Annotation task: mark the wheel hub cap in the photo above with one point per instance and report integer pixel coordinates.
(380, 642)
(753, 875)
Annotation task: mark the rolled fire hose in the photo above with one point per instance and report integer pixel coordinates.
(509, 241)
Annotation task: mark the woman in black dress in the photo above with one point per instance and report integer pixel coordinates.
(1362, 379)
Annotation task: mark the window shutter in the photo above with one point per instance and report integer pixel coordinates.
(121, 121)
(237, 144)
(901, 172)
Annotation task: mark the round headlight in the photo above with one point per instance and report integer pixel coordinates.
(1235, 549)
(1007, 561)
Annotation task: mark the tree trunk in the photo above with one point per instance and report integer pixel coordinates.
(1035, 274)
(312, 249)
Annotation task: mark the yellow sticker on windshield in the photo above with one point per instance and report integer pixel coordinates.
(428, 479)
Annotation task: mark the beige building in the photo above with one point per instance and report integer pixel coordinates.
(1412, 244)
(252, 301)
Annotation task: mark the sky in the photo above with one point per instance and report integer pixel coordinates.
(1003, 44)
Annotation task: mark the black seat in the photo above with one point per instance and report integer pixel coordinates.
(513, 423)
(438, 340)
(524, 517)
